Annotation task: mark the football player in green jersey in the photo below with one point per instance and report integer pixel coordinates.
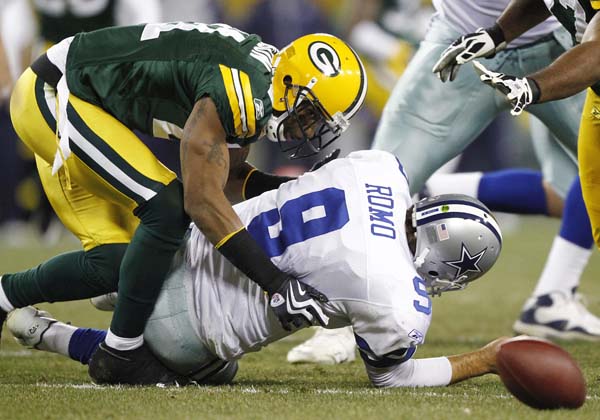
(214, 89)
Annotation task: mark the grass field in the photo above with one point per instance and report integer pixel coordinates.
(38, 385)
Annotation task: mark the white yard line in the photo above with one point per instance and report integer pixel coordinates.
(15, 353)
(254, 390)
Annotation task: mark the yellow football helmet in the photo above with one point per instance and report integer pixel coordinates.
(595, 4)
(319, 83)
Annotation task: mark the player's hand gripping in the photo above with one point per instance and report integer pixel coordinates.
(490, 351)
(520, 91)
(481, 43)
(295, 304)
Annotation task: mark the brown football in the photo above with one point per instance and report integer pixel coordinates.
(541, 374)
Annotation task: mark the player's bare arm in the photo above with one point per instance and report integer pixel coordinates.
(524, 365)
(517, 18)
(571, 73)
(205, 164)
(520, 16)
(476, 363)
(438, 371)
(239, 169)
(245, 181)
(575, 70)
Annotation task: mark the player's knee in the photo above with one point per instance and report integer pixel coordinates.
(223, 376)
(165, 213)
(103, 263)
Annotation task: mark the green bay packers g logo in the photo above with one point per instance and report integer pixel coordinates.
(324, 58)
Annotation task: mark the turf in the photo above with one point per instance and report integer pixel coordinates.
(38, 385)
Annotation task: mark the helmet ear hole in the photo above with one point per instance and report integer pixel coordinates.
(433, 273)
(287, 79)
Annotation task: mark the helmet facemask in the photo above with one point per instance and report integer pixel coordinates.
(436, 281)
(305, 128)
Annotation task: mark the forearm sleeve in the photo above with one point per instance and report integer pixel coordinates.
(245, 253)
(258, 182)
(435, 371)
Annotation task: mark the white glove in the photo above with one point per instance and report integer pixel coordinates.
(520, 91)
(482, 43)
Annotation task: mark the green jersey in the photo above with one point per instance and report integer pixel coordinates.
(150, 76)
(574, 15)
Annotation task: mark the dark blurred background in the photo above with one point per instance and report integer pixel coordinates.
(383, 32)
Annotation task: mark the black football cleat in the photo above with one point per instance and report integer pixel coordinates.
(108, 366)
(2, 319)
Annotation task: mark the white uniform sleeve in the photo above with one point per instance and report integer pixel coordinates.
(389, 333)
(132, 12)
(18, 29)
(435, 371)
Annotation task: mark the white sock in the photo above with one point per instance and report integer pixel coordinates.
(57, 338)
(123, 343)
(457, 183)
(5, 304)
(564, 266)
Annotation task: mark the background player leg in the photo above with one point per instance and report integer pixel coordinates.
(555, 308)
(326, 346)
(103, 230)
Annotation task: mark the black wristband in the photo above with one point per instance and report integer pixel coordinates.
(258, 182)
(496, 34)
(535, 90)
(244, 252)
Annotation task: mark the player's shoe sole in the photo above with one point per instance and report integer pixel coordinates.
(558, 315)
(540, 330)
(2, 319)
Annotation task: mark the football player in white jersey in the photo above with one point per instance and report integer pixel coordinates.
(349, 229)
(438, 120)
(552, 311)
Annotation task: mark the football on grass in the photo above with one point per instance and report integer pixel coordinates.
(541, 374)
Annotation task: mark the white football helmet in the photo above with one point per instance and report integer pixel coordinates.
(458, 240)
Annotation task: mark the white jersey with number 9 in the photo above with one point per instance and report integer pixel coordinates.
(339, 229)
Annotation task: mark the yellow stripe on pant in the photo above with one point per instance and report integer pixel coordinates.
(108, 167)
(589, 160)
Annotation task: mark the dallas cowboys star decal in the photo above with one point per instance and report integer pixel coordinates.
(467, 262)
